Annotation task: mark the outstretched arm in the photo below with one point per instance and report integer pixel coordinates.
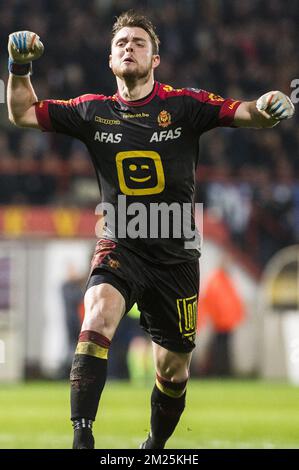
(23, 47)
(20, 101)
(267, 111)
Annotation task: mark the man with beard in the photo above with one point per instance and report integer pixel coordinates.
(143, 142)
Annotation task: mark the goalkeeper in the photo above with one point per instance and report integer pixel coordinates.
(143, 143)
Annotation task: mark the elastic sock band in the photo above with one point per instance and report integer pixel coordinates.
(94, 337)
(93, 344)
(171, 389)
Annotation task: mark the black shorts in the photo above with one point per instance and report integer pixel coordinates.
(166, 294)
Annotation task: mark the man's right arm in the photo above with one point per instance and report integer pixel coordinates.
(23, 48)
(20, 102)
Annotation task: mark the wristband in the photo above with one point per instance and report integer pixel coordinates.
(19, 69)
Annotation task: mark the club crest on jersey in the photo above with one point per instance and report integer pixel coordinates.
(214, 97)
(164, 119)
(114, 264)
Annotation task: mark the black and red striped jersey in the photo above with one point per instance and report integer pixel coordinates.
(145, 154)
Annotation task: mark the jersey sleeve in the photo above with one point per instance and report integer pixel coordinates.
(206, 110)
(64, 116)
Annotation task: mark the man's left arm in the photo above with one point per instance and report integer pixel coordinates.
(267, 111)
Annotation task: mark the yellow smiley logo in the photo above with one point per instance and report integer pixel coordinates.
(133, 167)
(140, 172)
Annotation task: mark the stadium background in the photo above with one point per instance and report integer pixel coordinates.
(248, 182)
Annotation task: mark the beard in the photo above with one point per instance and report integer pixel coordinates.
(133, 74)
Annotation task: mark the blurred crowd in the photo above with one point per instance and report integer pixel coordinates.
(248, 179)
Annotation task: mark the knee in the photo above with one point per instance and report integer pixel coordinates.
(101, 315)
(95, 320)
(173, 372)
(172, 366)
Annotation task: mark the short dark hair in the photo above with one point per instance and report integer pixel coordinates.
(133, 19)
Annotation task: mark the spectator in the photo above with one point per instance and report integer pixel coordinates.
(222, 305)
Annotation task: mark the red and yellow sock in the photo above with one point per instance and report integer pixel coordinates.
(93, 344)
(171, 389)
(167, 404)
(88, 374)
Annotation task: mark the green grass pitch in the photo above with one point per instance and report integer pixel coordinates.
(221, 414)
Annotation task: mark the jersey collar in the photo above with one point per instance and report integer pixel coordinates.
(143, 101)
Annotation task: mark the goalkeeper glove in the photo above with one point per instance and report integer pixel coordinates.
(277, 105)
(23, 47)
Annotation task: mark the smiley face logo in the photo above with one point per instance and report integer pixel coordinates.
(140, 173)
(134, 168)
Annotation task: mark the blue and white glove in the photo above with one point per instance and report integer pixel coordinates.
(276, 105)
(23, 48)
